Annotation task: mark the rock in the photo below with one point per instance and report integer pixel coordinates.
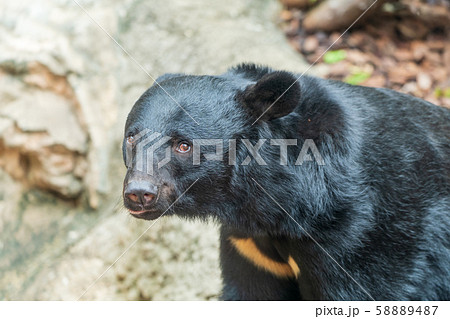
(387, 45)
(404, 54)
(424, 81)
(340, 69)
(54, 58)
(292, 28)
(373, 59)
(310, 44)
(446, 58)
(436, 44)
(356, 39)
(41, 67)
(286, 15)
(445, 102)
(432, 99)
(295, 43)
(43, 143)
(412, 29)
(410, 88)
(435, 58)
(163, 269)
(403, 73)
(440, 75)
(377, 80)
(419, 50)
(357, 57)
(336, 38)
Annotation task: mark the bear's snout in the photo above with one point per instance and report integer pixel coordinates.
(139, 195)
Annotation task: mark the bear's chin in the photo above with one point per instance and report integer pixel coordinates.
(147, 214)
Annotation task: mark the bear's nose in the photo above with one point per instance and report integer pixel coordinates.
(141, 193)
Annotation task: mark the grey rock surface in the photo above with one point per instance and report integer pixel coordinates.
(65, 90)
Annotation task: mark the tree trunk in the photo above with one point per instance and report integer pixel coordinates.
(338, 14)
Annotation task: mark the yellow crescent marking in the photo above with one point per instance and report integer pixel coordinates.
(248, 249)
(294, 266)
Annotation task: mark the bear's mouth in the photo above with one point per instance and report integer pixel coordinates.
(146, 214)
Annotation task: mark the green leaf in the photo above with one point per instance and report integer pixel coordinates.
(334, 56)
(447, 92)
(441, 92)
(357, 77)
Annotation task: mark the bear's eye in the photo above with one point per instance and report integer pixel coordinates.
(183, 147)
(130, 139)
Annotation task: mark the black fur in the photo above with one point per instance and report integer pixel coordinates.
(379, 207)
(275, 95)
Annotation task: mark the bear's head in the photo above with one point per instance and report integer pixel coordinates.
(189, 139)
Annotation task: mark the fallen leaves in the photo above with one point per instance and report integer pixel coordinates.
(393, 51)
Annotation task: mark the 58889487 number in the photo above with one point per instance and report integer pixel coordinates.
(406, 310)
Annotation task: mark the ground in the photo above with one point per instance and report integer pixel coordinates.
(390, 49)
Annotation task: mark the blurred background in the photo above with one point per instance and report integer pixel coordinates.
(66, 87)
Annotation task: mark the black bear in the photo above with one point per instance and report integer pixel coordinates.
(323, 190)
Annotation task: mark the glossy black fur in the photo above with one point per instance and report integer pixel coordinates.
(379, 207)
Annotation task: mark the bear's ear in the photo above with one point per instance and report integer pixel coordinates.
(168, 76)
(275, 95)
